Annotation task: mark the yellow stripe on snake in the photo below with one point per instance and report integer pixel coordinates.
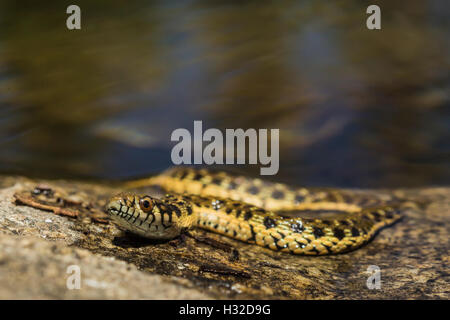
(243, 208)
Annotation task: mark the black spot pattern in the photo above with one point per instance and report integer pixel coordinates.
(248, 215)
(253, 237)
(314, 249)
(269, 223)
(389, 214)
(259, 211)
(339, 233)
(318, 232)
(301, 245)
(281, 234)
(183, 175)
(232, 186)
(297, 227)
(176, 210)
(376, 215)
(253, 190)
(280, 247)
(277, 194)
(327, 247)
(355, 232)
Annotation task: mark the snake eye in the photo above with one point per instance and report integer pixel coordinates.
(146, 204)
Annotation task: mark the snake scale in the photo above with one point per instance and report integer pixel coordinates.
(244, 209)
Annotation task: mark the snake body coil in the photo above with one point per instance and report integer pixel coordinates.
(243, 208)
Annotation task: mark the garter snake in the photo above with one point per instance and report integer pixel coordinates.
(244, 209)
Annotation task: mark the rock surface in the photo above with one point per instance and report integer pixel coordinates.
(37, 246)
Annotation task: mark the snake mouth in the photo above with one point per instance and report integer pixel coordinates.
(119, 211)
(124, 217)
(112, 211)
(114, 208)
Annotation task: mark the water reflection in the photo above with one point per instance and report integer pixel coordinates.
(355, 107)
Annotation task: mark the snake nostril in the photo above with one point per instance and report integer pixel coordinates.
(113, 207)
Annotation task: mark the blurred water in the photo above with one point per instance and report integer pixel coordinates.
(355, 108)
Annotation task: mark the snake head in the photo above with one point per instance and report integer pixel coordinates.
(143, 215)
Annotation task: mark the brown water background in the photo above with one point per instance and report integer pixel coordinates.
(355, 108)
